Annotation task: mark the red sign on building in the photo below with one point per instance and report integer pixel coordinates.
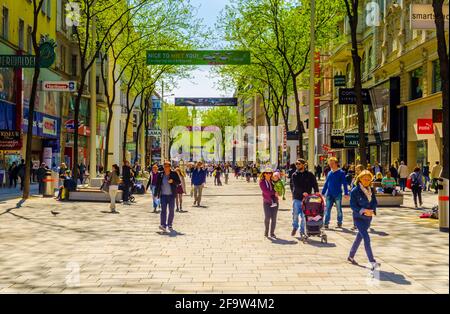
(425, 126)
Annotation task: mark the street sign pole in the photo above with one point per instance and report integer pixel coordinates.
(311, 124)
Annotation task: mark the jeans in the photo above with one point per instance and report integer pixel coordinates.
(330, 201)
(198, 194)
(427, 181)
(402, 182)
(167, 201)
(297, 211)
(155, 199)
(363, 225)
(270, 218)
(126, 191)
(417, 193)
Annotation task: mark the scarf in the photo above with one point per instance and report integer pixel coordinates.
(366, 191)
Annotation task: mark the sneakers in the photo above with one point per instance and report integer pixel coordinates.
(162, 228)
(273, 236)
(327, 226)
(274, 205)
(374, 266)
(294, 231)
(339, 225)
(170, 228)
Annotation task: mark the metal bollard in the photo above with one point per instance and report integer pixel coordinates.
(49, 190)
(443, 196)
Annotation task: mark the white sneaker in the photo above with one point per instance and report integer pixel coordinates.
(274, 205)
(162, 228)
(375, 266)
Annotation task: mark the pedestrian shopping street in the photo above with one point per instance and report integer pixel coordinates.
(219, 248)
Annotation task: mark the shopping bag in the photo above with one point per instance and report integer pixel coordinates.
(409, 183)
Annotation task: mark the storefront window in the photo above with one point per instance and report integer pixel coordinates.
(416, 83)
(437, 83)
(422, 153)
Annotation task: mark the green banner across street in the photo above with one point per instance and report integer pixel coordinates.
(198, 57)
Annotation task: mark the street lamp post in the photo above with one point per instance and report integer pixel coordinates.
(311, 125)
(164, 126)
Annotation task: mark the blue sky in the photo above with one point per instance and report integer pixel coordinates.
(202, 83)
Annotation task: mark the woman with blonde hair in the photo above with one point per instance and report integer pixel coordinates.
(364, 205)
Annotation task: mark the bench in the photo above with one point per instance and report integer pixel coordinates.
(383, 200)
(91, 195)
(97, 182)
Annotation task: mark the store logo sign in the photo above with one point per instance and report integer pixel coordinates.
(425, 126)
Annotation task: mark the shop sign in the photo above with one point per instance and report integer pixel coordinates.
(47, 57)
(10, 140)
(425, 126)
(59, 86)
(351, 140)
(154, 133)
(422, 16)
(337, 132)
(337, 141)
(347, 96)
(339, 80)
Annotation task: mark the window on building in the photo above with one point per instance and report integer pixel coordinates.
(97, 84)
(74, 65)
(363, 64)
(369, 60)
(49, 8)
(416, 83)
(29, 40)
(63, 58)
(21, 34)
(5, 22)
(437, 83)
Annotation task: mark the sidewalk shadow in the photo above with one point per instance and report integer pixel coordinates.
(284, 210)
(378, 233)
(282, 241)
(316, 243)
(171, 234)
(344, 230)
(393, 277)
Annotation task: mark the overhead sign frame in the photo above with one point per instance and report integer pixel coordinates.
(206, 102)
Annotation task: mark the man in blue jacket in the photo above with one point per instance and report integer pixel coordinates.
(198, 181)
(333, 191)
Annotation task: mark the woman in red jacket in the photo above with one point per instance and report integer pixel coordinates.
(270, 200)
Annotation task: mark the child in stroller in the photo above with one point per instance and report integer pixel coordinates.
(313, 208)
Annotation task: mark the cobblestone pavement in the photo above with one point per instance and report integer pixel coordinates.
(216, 249)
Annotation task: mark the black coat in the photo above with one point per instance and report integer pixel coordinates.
(303, 182)
(176, 181)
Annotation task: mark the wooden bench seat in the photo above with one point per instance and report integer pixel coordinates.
(385, 200)
(91, 195)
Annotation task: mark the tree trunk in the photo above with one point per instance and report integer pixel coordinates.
(76, 123)
(444, 63)
(124, 144)
(353, 20)
(108, 130)
(299, 120)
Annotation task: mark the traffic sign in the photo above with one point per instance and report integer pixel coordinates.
(59, 86)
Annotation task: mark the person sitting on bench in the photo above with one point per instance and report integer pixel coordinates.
(388, 184)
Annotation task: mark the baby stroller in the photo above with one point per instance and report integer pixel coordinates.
(313, 208)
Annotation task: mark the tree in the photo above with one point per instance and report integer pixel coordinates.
(165, 24)
(276, 32)
(37, 5)
(89, 47)
(221, 117)
(176, 116)
(443, 60)
(352, 13)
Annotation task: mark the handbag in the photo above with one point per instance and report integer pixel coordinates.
(409, 183)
